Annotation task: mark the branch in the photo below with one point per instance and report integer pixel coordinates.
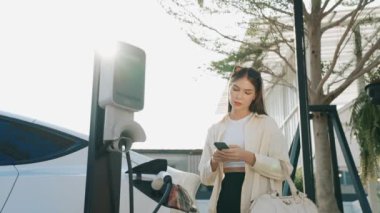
(285, 40)
(193, 19)
(265, 5)
(337, 52)
(357, 72)
(267, 45)
(201, 23)
(331, 9)
(284, 59)
(348, 64)
(278, 79)
(276, 24)
(240, 7)
(202, 42)
(335, 82)
(331, 96)
(341, 20)
(267, 70)
(337, 22)
(260, 12)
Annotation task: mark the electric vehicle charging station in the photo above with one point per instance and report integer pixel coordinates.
(121, 93)
(118, 92)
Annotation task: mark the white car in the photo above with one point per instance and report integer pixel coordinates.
(43, 170)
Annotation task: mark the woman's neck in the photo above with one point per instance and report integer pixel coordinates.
(236, 115)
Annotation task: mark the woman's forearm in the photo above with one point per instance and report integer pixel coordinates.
(249, 158)
(214, 165)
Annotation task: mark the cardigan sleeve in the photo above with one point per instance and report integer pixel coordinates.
(207, 176)
(275, 149)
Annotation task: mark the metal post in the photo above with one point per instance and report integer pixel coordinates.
(334, 163)
(103, 167)
(308, 174)
(351, 164)
(294, 153)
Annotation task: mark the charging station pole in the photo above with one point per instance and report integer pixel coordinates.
(118, 92)
(104, 168)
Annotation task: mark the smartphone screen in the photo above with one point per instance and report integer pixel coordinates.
(221, 145)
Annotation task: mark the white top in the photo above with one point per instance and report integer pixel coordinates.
(234, 135)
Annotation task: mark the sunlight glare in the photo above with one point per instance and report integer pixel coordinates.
(106, 49)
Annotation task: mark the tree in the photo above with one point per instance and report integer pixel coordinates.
(264, 31)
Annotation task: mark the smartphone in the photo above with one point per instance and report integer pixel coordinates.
(221, 145)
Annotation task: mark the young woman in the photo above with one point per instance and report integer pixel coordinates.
(246, 169)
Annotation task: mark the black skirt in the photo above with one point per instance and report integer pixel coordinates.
(229, 197)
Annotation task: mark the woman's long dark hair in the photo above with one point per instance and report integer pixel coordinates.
(257, 105)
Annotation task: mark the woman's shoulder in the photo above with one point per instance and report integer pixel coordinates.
(267, 120)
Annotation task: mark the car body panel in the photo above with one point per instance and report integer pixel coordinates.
(8, 176)
(56, 185)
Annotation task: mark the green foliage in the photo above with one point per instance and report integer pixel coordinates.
(365, 122)
(200, 3)
(226, 65)
(298, 180)
(374, 76)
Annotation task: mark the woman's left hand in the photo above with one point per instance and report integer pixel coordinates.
(234, 153)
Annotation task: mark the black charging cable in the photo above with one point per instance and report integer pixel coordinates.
(168, 186)
(130, 179)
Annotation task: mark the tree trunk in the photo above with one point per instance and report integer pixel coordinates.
(324, 184)
(323, 176)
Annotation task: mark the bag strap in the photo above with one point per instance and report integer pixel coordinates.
(286, 174)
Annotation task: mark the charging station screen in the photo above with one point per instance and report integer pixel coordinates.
(129, 77)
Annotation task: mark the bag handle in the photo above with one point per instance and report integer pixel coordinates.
(286, 174)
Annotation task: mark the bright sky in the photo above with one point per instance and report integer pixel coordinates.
(46, 66)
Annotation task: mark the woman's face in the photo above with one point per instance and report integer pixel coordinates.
(242, 93)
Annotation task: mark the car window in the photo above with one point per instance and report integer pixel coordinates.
(23, 142)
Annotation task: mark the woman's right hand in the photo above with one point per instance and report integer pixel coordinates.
(217, 157)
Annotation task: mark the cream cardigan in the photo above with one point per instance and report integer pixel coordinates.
(262, 137)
